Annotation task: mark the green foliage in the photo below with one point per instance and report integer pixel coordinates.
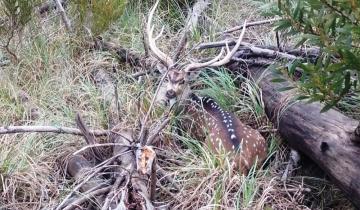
(334, 26)
(99, 15)
(17, 14)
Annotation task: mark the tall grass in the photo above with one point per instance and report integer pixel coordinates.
(60, 77)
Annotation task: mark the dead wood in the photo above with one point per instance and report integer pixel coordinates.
(63, 15)
(50, 129)
(355, 136)
(78, 167)
(123, 54)
(50, 5)
(87, 196)
(323, 137)
(255, 23)
(255, 50)
(90, 139)
(192, 20)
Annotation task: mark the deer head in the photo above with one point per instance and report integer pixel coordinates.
(177, 84)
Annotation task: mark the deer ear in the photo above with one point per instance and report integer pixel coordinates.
(161, 67)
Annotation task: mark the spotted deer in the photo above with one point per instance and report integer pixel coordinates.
(177, 85)
(226, 132)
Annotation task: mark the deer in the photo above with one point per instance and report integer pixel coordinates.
(226, 133)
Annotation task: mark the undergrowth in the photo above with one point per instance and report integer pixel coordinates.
(61, 78)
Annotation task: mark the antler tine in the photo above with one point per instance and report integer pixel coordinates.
(157, 52)
(208, 63)
(216, 62)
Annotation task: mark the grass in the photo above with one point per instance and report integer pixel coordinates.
(62, 79)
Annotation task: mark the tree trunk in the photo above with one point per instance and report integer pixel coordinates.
(324, 137)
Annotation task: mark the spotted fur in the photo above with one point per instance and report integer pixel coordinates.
(227, 133)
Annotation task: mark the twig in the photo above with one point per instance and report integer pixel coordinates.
(50, 129)
(109, 198)
(254, 49)
(140, 73)
(86, 197)
(100, 145)
(167, 177)
(63, 15)
(142, 131)
(270, 53)
(157, 131)
(254, 62)
(50, 5)
(153, 180)
(256, 23)
(100, 167)
(90, 139)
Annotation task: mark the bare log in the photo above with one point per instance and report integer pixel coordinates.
(323, 137)
(50, 129)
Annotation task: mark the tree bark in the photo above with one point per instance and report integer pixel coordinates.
(324, 137)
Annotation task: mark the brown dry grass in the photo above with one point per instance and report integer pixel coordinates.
(59, 77)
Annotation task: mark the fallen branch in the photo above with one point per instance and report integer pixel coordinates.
(50, 5)
(355, 136)
(79, 163)
(50, 129)
(86, 197)
(247, 46)
(90, 139)
(63, 15)
(256, 23)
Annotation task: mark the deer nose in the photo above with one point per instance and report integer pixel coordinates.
(170, 94)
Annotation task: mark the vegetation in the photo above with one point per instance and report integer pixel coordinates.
(61, 76)
(334, 27)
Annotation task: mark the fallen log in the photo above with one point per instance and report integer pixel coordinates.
(323, 137)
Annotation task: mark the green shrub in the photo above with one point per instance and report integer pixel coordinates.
(334, 26)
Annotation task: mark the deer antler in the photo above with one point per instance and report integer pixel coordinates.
(152, 45)
(216, 62)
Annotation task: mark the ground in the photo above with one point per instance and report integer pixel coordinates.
(57, 76)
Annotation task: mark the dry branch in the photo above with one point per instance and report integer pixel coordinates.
(50, 129)
(255, 50)
(256, 23)
(90, 139)
(355, 136)
(50, 5)
(63, 15)
(87, 196)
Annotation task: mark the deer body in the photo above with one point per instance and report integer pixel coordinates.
(226, 133)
